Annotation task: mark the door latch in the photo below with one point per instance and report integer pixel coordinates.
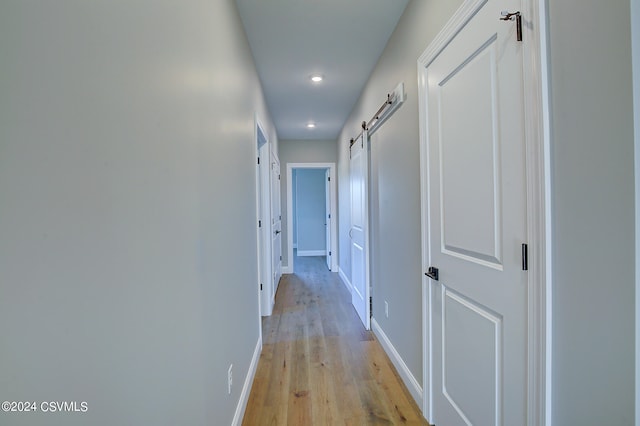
(432, 273)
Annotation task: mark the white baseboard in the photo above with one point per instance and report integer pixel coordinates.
(246, 388)
(287, 269)
(345, 280)
(409, 380)
(312, 252)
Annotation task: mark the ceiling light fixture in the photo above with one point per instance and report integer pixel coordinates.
(317, 78)
(311, 126)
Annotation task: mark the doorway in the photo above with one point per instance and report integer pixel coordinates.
(311, 212)
(268, 220)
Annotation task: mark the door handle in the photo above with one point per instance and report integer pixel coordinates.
(432, 273)
(277, 232)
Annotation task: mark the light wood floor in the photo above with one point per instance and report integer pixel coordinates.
(319, 366)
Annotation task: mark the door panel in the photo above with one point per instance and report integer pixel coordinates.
(471, 344)
(359, 233)
(477, 217)
(476, 236)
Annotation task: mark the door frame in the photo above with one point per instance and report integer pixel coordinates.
(274, 278)
(263, 213)
(328, 216)
(537, 140)
(334, 212)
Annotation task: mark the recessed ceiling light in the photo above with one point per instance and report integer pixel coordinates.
(317, 78)
(311, 126)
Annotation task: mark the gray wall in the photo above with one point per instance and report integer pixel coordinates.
(306, 151)
(395, 181)
(311, 209)
(635, 37)
(593, 213)
(122, 125)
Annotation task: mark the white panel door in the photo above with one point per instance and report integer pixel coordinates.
(276, 225)
(477, 208)
(327, 216)
(359, 232)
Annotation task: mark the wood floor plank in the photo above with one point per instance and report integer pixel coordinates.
(299, 399)
(318, 365)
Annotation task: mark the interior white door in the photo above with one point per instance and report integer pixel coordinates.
(359, 232)
(276, 225)
(327, 216)
(264, 221)
(477, 224)
(262, 257)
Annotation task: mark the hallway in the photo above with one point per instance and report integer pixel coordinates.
(319, 366)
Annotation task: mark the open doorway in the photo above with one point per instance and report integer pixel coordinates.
(268, 220)
(311, 212)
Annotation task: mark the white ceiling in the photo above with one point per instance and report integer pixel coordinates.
(292, 39)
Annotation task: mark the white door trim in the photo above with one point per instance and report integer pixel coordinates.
(327, 216)
(535, 65)
(334, 215)
(263, 198)
(275, 229)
